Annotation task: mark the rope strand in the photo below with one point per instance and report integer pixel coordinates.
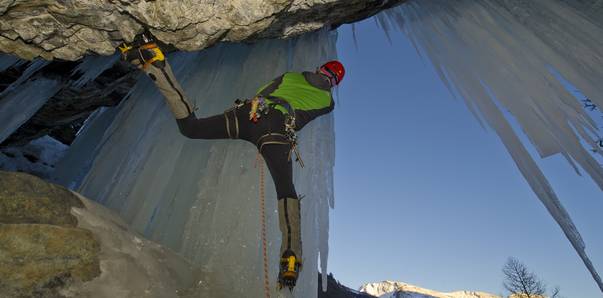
(263, 222)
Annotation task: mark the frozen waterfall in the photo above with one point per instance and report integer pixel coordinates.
(24, 97)
(200, 197)
(515, 56)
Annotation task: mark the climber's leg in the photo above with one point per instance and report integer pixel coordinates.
(281, 170)
(148, 57)
(214, 127)
(161, 73)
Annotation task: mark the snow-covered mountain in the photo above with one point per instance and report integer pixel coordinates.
(396, 289)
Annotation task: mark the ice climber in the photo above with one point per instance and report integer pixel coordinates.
(269, 120)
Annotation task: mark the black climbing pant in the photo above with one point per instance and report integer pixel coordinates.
(276, 155)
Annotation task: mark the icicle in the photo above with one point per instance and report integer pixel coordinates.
(498, 54)
(7, 61)
(31, 70)
(384, 24)
(200, 197)
(354, 36)
(92, 66)
(17, 107)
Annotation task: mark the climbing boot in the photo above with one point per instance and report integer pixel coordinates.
(142, 51)
(146, 54)
(291, 245)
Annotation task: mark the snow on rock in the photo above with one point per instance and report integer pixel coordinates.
(396, 289)
(130, 265)
(39, 157)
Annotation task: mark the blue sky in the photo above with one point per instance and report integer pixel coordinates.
(425, 195)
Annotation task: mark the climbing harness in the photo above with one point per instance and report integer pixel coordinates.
(232, 122)
(290, 136)
(258, 163)
(260, 106)
(281, 139)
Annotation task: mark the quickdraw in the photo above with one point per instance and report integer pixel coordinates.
(292, 137)
(258, 106)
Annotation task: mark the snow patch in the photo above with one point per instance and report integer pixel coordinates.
(38, 157)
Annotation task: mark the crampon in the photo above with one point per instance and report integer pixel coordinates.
(290, 267)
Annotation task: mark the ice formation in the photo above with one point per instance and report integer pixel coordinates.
(22, 98)
(19, 104)
(92, 66)
(513, 56)
(7, 61)
(200, 197)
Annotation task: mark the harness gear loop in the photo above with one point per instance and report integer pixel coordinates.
(272, 138)
(258, 106)
(232, 122)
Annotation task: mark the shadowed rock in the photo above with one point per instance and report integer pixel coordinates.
(26, 199)
(38, 259)
(70, 29)
(54, 243)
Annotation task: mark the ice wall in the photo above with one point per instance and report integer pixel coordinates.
(200, 197)
(513, 55)
(20, 100)
(17, 105)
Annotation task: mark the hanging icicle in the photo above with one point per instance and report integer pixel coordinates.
(91, 67)
(18, 106)
(513, 56)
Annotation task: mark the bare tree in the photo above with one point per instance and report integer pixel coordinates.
(520, 281)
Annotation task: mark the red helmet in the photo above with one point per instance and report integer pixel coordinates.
(334, 70)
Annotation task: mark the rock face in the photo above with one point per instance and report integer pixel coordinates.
(25, 199)
(70, 29)
(55, 243)
(41, 249)
(38, 259)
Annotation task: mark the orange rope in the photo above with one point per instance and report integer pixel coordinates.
(263, 220)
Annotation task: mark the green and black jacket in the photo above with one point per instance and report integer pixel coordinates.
(308, 93)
